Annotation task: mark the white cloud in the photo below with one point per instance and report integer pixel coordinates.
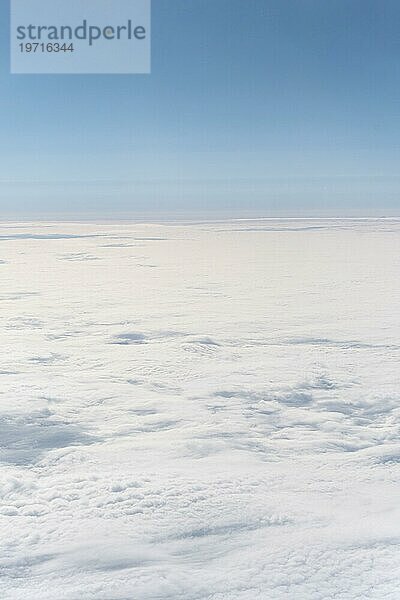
(221, 426)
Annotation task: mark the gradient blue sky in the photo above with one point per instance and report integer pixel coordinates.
(253, 105)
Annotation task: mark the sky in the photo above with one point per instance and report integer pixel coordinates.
(253, 107)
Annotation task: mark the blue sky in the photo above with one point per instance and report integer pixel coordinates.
(261, 106)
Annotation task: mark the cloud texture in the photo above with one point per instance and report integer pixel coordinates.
(200, 411)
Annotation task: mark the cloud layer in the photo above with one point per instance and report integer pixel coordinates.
(223, 425)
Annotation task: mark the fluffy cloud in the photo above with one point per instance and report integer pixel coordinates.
(223, 425)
